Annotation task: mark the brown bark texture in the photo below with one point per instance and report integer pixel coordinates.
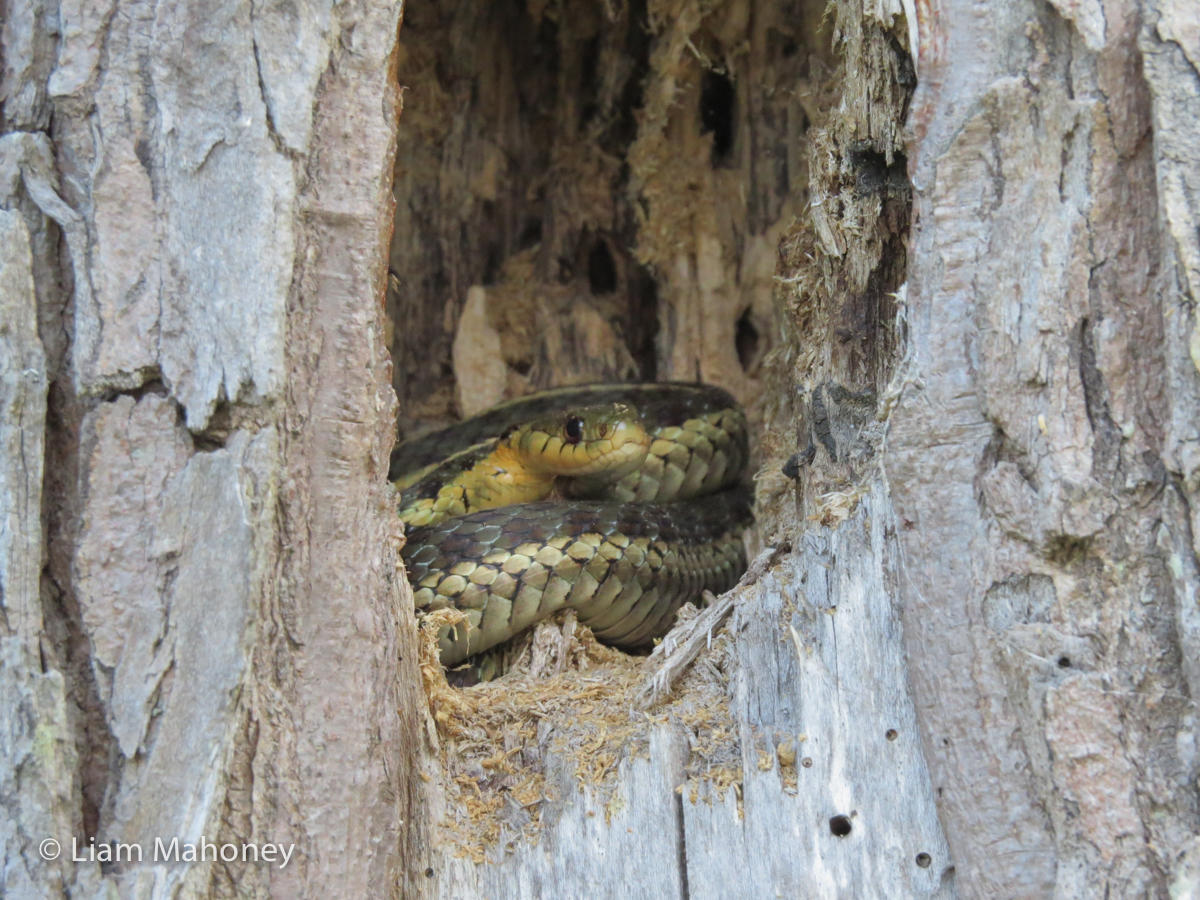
(202, 630)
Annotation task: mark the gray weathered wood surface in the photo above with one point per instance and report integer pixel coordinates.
(819, 670)
(1041, 449)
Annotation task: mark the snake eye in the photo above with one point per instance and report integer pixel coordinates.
(574, 429)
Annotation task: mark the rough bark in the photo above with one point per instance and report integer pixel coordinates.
(970, 341)
(1040, 449)
(202, 628)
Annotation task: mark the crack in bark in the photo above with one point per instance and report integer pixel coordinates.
(1107, 436)
(268, 115)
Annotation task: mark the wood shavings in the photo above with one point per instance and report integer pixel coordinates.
(836, 506)
(568, 698)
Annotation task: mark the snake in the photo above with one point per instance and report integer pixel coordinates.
(618, 501)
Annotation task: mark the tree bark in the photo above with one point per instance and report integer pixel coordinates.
(1041, 446)
(966, 331)
(203, 637)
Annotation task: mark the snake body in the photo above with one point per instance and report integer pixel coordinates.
(625, 562)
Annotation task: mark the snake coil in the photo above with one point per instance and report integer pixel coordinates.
(649, 511)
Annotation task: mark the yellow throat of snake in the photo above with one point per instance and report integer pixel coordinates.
(605, 442)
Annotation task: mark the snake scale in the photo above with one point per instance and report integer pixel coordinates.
(646, 512)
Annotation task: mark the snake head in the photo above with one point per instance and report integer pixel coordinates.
(606, 441)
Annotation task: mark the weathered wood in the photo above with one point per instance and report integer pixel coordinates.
(1037, 430)
(988, 615)
(827, 730)
(712, 209)
(607, 182)
(38, 762)
(818, 703)
(208, 643)
(1048, 583)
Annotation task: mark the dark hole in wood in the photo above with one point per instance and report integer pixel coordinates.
(589, 59)
(798, 461)
(780, 44)
(643, 321)
(429, 872)
(839, 826)
(491, 265)
(923, 860)
(531, 234)
(489, 226)
(620, 124)
(891, 734)
(806, 762)
(870, 168)
(746, 339)
(602, 271)
(1064, 662)
(717, 99)
(791, 468)
(872, 172)
(906, 73)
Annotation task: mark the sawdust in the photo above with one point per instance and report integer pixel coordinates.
(569, 699)
(836, 506)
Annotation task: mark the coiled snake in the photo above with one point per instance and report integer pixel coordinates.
(649, 512)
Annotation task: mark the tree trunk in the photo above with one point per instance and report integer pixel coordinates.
(1042, 457)
(195, 211)
(965, 331)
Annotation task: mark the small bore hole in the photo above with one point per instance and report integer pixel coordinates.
(923, 860)
(589, 60)
(429, 872)
(602, 271)
(806, 762)
(891, 734)
(491, 264)
(1064, 662)
(839, 826)
(746, 339)
(717, 98)
(531, 234)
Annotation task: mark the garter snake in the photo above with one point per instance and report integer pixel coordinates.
(646, 512)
